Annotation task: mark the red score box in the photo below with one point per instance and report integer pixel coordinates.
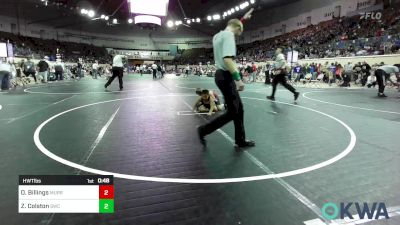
(106, 192)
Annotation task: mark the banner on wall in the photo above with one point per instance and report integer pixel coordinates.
(3, 50)
(10, 50)
(292, 56)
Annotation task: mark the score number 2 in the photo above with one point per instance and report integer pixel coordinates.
(106, 192)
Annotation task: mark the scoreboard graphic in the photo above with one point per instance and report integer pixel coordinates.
(65, 194)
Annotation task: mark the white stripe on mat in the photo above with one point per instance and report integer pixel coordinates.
(303, 199)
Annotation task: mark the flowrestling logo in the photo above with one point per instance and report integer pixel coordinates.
(376, 210)
(371, 16)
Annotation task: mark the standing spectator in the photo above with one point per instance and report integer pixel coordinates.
(159, 70)
(5, 73)
(253, 71)
(357, 73)
(280, 75)
(162, 71)
(141, 70)
(154, 68)
(80, 69)
(43, 69)
(248, 71)
(136, 69)
(29, 69)
(318, 68)
(332, 68)
(95, 69)
(348, 69)
(59, 70)
(187, 70)
(366, 71)
(117, 71)
(297, 72)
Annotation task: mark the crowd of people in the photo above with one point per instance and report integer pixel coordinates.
(29, 71)
(360, 73)
(346, 36)
(339, 37)
(24, 47)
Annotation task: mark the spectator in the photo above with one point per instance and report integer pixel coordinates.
(5, 74)
(59, 70)
(29, 69)
(43, 68)
(95, 69)
(366, 68)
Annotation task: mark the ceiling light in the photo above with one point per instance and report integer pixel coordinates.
(209, 18)
(102, 16)
(106, 18)
(130, 21)
(198, 20)
(148, 19)
(115, 21)
(146, 7)
(188, 21)
(170, 23)
(237, 8)
(244, 5)
(216, 17)
(83, 11)
(91, 13)
(252, 1)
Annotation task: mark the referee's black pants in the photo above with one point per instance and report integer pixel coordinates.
(234, 111)
(380, 78)
(267, 78)
(281, 78)
(117, 72)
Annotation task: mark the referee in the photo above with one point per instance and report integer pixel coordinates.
(381, 73)
(117, 71)
(228, 80)
(280, 75)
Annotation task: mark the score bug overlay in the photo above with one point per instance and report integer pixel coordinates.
(66, 194)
